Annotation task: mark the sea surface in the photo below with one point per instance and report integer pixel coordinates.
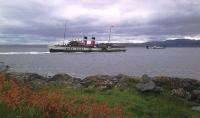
(179, 62)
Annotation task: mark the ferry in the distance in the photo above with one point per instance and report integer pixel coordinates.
(84, 46)
(155, 47)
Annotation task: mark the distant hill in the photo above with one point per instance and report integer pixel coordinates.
(167, 43)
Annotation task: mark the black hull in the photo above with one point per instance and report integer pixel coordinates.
(61, 50)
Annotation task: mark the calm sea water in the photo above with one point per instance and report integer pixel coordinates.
(180, 62)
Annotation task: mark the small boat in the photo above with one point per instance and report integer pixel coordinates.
(155, 47)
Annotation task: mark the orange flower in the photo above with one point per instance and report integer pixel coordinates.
(61, 105)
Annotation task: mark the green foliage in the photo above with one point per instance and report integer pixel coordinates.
(135, 104)
(139, 105)
(26, 113)
(6, 86)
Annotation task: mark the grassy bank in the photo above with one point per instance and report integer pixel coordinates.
(49, 101)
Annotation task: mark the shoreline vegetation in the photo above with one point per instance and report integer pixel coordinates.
(30, 95)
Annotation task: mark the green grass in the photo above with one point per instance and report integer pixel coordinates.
(135, 104)
(26, 113)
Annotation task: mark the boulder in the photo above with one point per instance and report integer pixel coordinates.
(195, 95)
(25, 77)
(123, 81)
(180, 92)
(60, 77)
(147, 84)
(190, 84)
(65, 79)
(175, 83)
(158, 89)
(74, 82)
(105, 81)
(99, 81)
(196, 108)
(34, 76)
(146, 78)
(3, 67)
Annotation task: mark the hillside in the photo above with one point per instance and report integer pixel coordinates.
(167, 43)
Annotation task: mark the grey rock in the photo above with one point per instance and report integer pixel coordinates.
(196, 108)
(66, 80)
(180, 92)
(107, 82)
(75, 82)
(195, 95)
(175, 83)
(125, 82)
(158, 89)
(34, 76)
(190, 84)
(98, 81)
(3, 67)
(60, 77)
(146, 78)
(25, 77)
(147, 86)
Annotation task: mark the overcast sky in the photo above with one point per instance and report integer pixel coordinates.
(42, 21)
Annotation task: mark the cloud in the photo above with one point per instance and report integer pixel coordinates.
(140, 21)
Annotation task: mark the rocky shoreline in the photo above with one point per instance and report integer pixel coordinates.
(183, 88)
(188, 89)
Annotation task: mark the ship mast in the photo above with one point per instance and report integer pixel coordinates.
(65, 30)
(110, 33)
